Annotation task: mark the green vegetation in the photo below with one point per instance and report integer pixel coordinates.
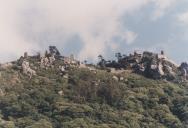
(90, 100)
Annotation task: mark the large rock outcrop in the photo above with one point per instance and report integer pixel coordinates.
(149, 64)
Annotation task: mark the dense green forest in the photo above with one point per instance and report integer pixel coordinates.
(89, 99)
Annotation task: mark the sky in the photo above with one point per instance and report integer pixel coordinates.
(87, 28)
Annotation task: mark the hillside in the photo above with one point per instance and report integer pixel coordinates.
(85, 98)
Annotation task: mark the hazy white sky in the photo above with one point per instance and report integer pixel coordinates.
(91, 27)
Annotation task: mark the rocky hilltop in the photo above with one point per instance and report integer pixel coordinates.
(148, 64)
(49, 90)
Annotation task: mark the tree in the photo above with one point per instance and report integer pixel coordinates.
(118, 56)
(85, 61)
(100, 57)
(102, 61)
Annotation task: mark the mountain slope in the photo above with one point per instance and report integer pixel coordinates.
(89, 99)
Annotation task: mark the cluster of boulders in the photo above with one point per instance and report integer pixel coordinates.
(156, 66)
(30, 65)
(153, 65)
(47, 61)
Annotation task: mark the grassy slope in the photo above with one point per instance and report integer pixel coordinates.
(90, 100)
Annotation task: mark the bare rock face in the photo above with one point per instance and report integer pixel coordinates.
(151, 64)
(115, 78)
(60, 93)
(184, 70)
(184, 65)
(27, 70)
(1, 92)
(160, 69)
(156, 66)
